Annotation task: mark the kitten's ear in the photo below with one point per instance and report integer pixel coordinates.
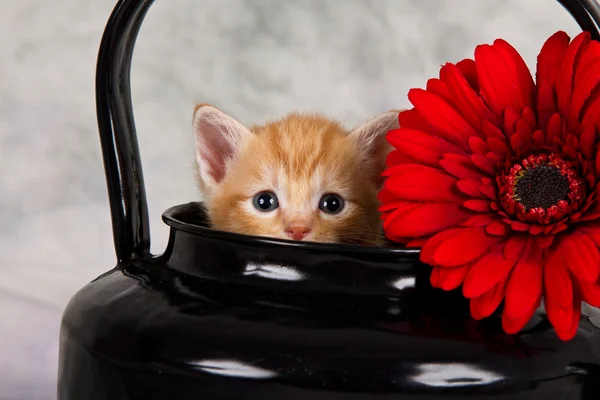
(371, 141)
(218, 138)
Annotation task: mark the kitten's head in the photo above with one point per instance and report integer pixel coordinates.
(303, 177)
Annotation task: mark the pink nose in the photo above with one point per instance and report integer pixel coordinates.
(297, 232)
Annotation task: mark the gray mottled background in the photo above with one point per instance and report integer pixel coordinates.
(255, 59)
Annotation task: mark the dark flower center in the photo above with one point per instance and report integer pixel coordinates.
(541, 187)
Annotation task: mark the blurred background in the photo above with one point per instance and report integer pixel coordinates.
(255, 59)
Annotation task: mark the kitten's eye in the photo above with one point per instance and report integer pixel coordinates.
(331, 204)
(265, 201)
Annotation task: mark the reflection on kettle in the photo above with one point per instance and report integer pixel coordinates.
(233, 368)
(405, 282)
(273, 271)
(453, 375)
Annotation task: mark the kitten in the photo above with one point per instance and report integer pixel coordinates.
(303, 177)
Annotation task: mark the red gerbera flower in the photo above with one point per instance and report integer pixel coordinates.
(496, 177)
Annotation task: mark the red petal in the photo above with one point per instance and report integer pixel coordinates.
(558, 317)
(544, 242)
(587, 141)
(484, 305)
(480, 220)
(465, 99)
(497, 228)
(498, 146)
(448, 278)
(582, 256)
(384, 196)
(401, 169)
(489, 191)
(588, 56)
(598, 159)
(401, 209)
(470, 187)
(539, 139)
(503, 76)
(490, 130)
(396, 157)
(522, 126)
(413, 120)
(558, 288)
(420, 146)
(590, 292)
(439, 88)
(423, 184)
(432, 244)
(514, 246)
(519, 226)
(591, 110)
(469, 71)
(564, 85)
(513, 325)
(445, 119)
(519, 141)
(569, 331)
(524, 287)
(528, 116)
(427, 219)
(477, 145)
(562, 302)
(546, 104)
(495, 158)
(461, 167)
(586, 81)
(463, 248)
(416, 243)
(592, 231)
(549, 60)
(510, 121)
(396, 205)
(486, 273)
(536, 229)
(554, 128)
(520, 71)
(477, 205)
(484, 164)
(564, 319)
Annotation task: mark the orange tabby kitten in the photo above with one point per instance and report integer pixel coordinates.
(303, 177)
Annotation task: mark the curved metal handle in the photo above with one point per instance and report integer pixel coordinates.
(122, 165)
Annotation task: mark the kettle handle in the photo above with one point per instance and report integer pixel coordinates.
(120, 152)
(118, 139)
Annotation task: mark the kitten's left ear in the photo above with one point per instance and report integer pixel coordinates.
(371, 141)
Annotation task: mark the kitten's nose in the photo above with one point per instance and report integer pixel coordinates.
(297, 232)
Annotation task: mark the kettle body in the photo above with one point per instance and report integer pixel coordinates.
(225, 316)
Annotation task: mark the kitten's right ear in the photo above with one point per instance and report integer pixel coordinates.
(372, 143)
(218, 138)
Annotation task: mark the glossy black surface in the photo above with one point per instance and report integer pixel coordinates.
(225, 316)
(122, 165)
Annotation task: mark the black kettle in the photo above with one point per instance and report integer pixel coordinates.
(227, 316)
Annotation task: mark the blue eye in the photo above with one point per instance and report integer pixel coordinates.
(331, 204)
(265, 201)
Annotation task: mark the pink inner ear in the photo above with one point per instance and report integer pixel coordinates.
(215, 142)
(215, 150)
